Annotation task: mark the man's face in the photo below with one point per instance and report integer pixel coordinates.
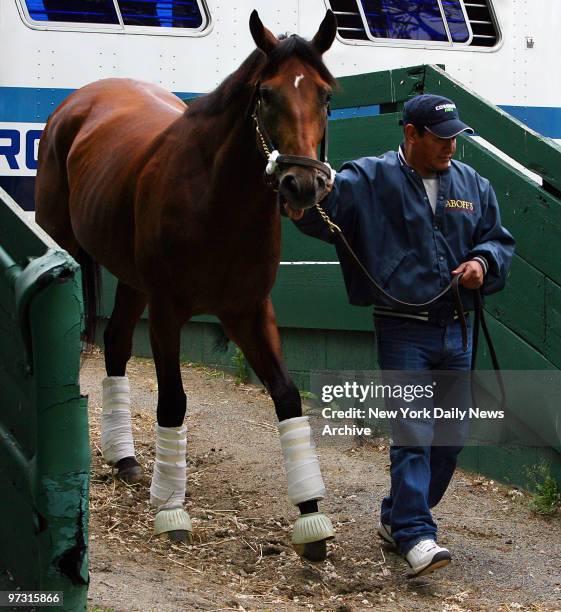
(430, 153)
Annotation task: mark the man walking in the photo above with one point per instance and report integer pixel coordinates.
(416, 218)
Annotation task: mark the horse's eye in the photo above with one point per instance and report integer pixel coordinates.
(326, 97)
(266, 95)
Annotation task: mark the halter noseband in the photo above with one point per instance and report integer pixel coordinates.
(275, 159)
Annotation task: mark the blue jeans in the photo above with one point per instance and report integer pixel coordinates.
(421, 472)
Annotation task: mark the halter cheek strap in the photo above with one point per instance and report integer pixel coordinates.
(275, 159)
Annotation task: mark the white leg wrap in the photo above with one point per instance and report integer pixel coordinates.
(170, 468)
(116, 431)
(300, 461)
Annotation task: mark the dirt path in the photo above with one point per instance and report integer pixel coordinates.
(504, 557)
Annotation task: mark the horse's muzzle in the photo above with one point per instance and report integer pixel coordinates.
(301, 188)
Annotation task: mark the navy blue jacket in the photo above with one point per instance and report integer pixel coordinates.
(381, 205)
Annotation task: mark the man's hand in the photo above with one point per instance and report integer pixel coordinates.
(473, 274)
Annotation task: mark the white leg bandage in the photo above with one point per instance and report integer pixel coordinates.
(300, 461)
(116, 431)
(170, 468)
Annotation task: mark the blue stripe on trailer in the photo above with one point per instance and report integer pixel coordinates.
(543, 119)
(30, 104)
(35, 104)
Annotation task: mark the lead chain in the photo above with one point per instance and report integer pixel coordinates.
(332, 226)
(261, 138)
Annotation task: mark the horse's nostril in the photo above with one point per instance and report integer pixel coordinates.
(289, 186)
(320, 183)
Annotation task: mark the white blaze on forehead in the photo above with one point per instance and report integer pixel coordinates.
(297, 80)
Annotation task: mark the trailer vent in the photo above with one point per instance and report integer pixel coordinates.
(349, 20)
(483, 25)
(351, 26)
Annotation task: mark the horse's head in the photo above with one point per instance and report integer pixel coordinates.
(292, 98)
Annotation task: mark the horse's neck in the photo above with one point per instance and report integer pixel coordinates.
(235, 196)
(235, 164)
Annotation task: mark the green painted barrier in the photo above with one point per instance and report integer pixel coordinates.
(44, 444)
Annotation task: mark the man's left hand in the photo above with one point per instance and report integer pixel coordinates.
(473, 274)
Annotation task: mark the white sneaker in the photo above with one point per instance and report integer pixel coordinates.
(385, 532)
(425, 557)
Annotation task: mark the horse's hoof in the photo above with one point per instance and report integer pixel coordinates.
(180, 535)
(313, 551)
(310, 535)
(175, 523)
(131, 475)
(129, 470)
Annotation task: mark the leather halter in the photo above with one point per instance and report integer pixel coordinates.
(268, 149)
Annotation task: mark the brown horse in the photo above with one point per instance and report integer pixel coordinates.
(172, 201)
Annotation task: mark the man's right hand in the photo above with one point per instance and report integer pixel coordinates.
(472, 274)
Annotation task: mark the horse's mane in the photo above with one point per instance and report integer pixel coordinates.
(256, 67)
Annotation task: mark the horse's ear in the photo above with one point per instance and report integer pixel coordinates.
(325, 36)
(264, 39)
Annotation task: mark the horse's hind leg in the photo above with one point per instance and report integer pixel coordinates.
(257, 335)
(116, 433)
(167, 491)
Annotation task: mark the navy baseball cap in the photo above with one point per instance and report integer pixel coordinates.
(436, 113)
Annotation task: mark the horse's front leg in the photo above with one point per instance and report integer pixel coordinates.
(167, 491)
(257, 335)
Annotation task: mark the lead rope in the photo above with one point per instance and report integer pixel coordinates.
(479, 318)
(453, 285)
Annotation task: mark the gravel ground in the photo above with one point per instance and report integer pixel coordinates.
(504, 556)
